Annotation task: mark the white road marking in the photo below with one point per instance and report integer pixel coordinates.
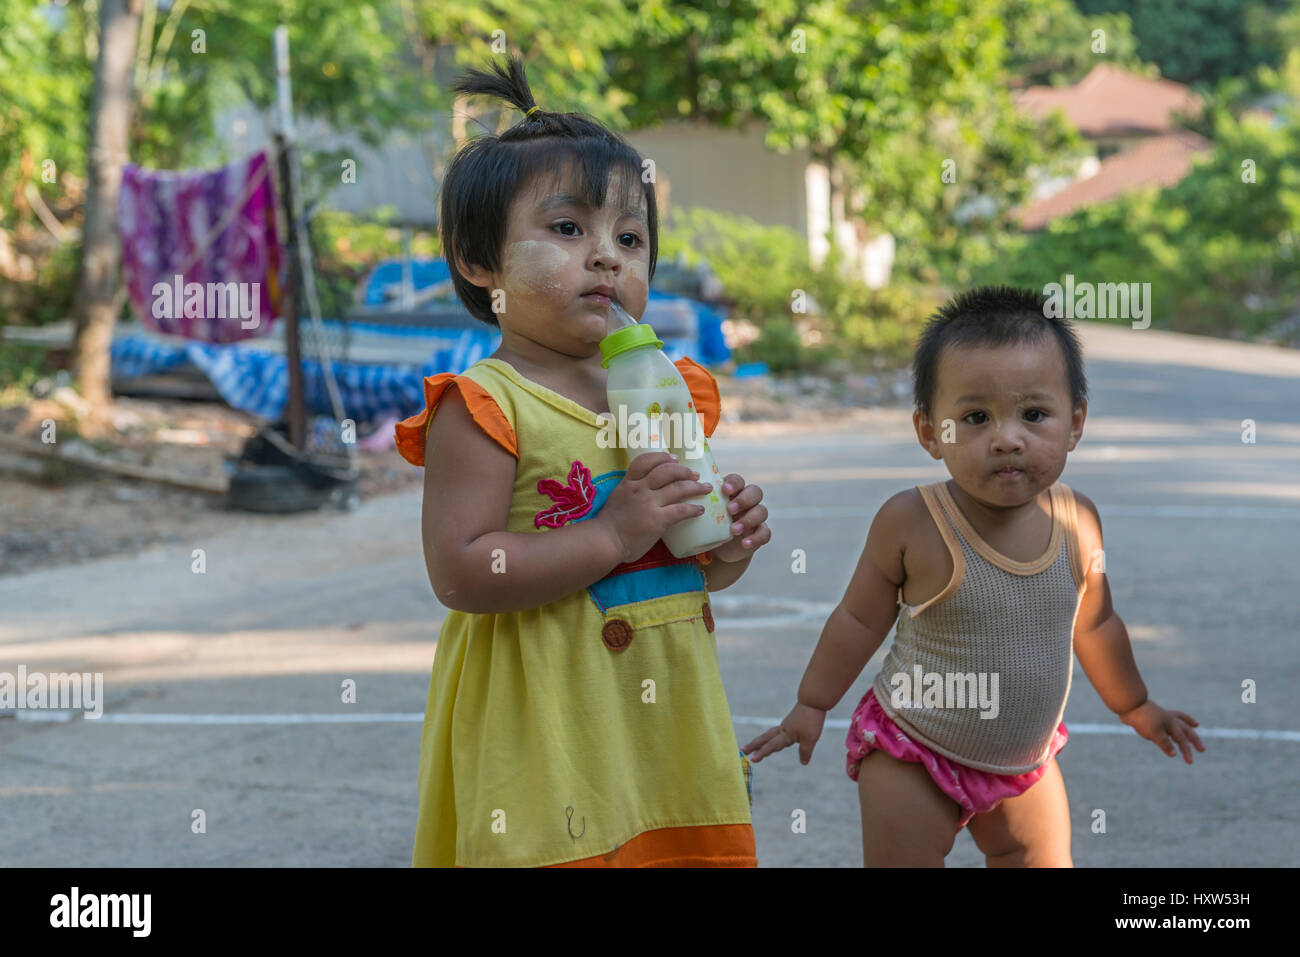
(415, 717)
(391, 717)
(789, 611)
(1134, 511)
(1085, 728)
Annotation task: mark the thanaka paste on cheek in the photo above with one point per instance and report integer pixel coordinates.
(636, 277)
(535, 265)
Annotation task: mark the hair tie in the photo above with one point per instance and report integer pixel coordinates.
(531, 111)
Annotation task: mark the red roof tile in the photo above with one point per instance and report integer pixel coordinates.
(1157, 161)
(1113, 102)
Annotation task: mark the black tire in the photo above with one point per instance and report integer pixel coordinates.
(272, 488)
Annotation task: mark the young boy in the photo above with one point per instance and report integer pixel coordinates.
(1000, 579)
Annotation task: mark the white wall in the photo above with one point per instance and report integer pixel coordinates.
(729, 170)
(399, 173)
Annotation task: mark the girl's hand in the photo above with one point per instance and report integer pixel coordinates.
(1160, 726)
(803, 724)
(749, 533)
(650, 499)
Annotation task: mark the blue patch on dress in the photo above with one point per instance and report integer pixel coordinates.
(643, 584)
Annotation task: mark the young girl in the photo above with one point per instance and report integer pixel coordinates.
(576, 715)
(999, 576)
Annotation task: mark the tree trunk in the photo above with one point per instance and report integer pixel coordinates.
(99, 292)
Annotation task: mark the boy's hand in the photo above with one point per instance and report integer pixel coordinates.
(803, 724)
(748, 517)
(1160, 726)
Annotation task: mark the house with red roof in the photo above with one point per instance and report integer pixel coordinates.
(1132, 123)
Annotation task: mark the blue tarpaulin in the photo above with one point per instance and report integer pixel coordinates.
(424, 273)
(257, 380)
(711, 348)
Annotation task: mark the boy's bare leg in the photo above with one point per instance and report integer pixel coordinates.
(906, 820)
(1031, 830)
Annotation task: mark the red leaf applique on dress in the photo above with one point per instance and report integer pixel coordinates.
(571, 501)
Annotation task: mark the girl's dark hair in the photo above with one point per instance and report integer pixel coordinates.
(488, 172)
(993, 316)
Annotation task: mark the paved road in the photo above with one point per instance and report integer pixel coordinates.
(1200, 540)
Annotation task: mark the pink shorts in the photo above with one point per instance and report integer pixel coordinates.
(976, 791)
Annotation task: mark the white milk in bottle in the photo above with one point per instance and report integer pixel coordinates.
(652, 411)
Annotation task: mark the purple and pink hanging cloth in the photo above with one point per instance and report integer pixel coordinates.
(199, 249)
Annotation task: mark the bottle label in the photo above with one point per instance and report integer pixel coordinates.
(637, 421)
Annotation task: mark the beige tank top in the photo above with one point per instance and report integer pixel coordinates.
(981, 672)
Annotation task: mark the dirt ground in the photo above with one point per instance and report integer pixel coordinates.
(55, 514)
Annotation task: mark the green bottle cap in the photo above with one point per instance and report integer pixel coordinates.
(626, 339)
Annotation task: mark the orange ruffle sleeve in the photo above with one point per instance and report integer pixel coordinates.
(704, 392)
(413, 433)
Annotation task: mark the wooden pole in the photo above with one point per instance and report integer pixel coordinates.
(295, 410)
(99, 292)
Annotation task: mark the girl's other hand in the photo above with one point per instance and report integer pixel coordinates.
(649, 500)
(802, 725)
(749, 531)
(1163, 728)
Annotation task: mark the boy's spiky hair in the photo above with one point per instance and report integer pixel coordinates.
(489, 172)
(993, 316)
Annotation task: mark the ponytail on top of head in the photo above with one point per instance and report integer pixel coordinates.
(570, 152)
(508, 83)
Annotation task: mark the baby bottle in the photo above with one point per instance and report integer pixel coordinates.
(652, 410)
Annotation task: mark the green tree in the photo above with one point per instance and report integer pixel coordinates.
(1201, 40)
(44, 91)
(1051, 42)
(562, 43)
(350, 66)
(1220, 248)
(887, 95)
(157, 103)
(98, 294)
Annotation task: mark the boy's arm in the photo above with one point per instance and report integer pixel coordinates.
(1101, 641)
(859, 624)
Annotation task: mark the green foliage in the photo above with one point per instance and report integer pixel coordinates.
(564, 44)
(764, 269)
(44, 93)
(758, 265)
(1202, 40)
(1220, 252)
(20, 366)
(349, 67)
(885, 92)
(347, 247)
(50, 298)
(342, 59)
(1051, 42)
(878, 323)
(888, 94)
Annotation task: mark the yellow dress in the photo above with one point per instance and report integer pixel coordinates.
(594, 730)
